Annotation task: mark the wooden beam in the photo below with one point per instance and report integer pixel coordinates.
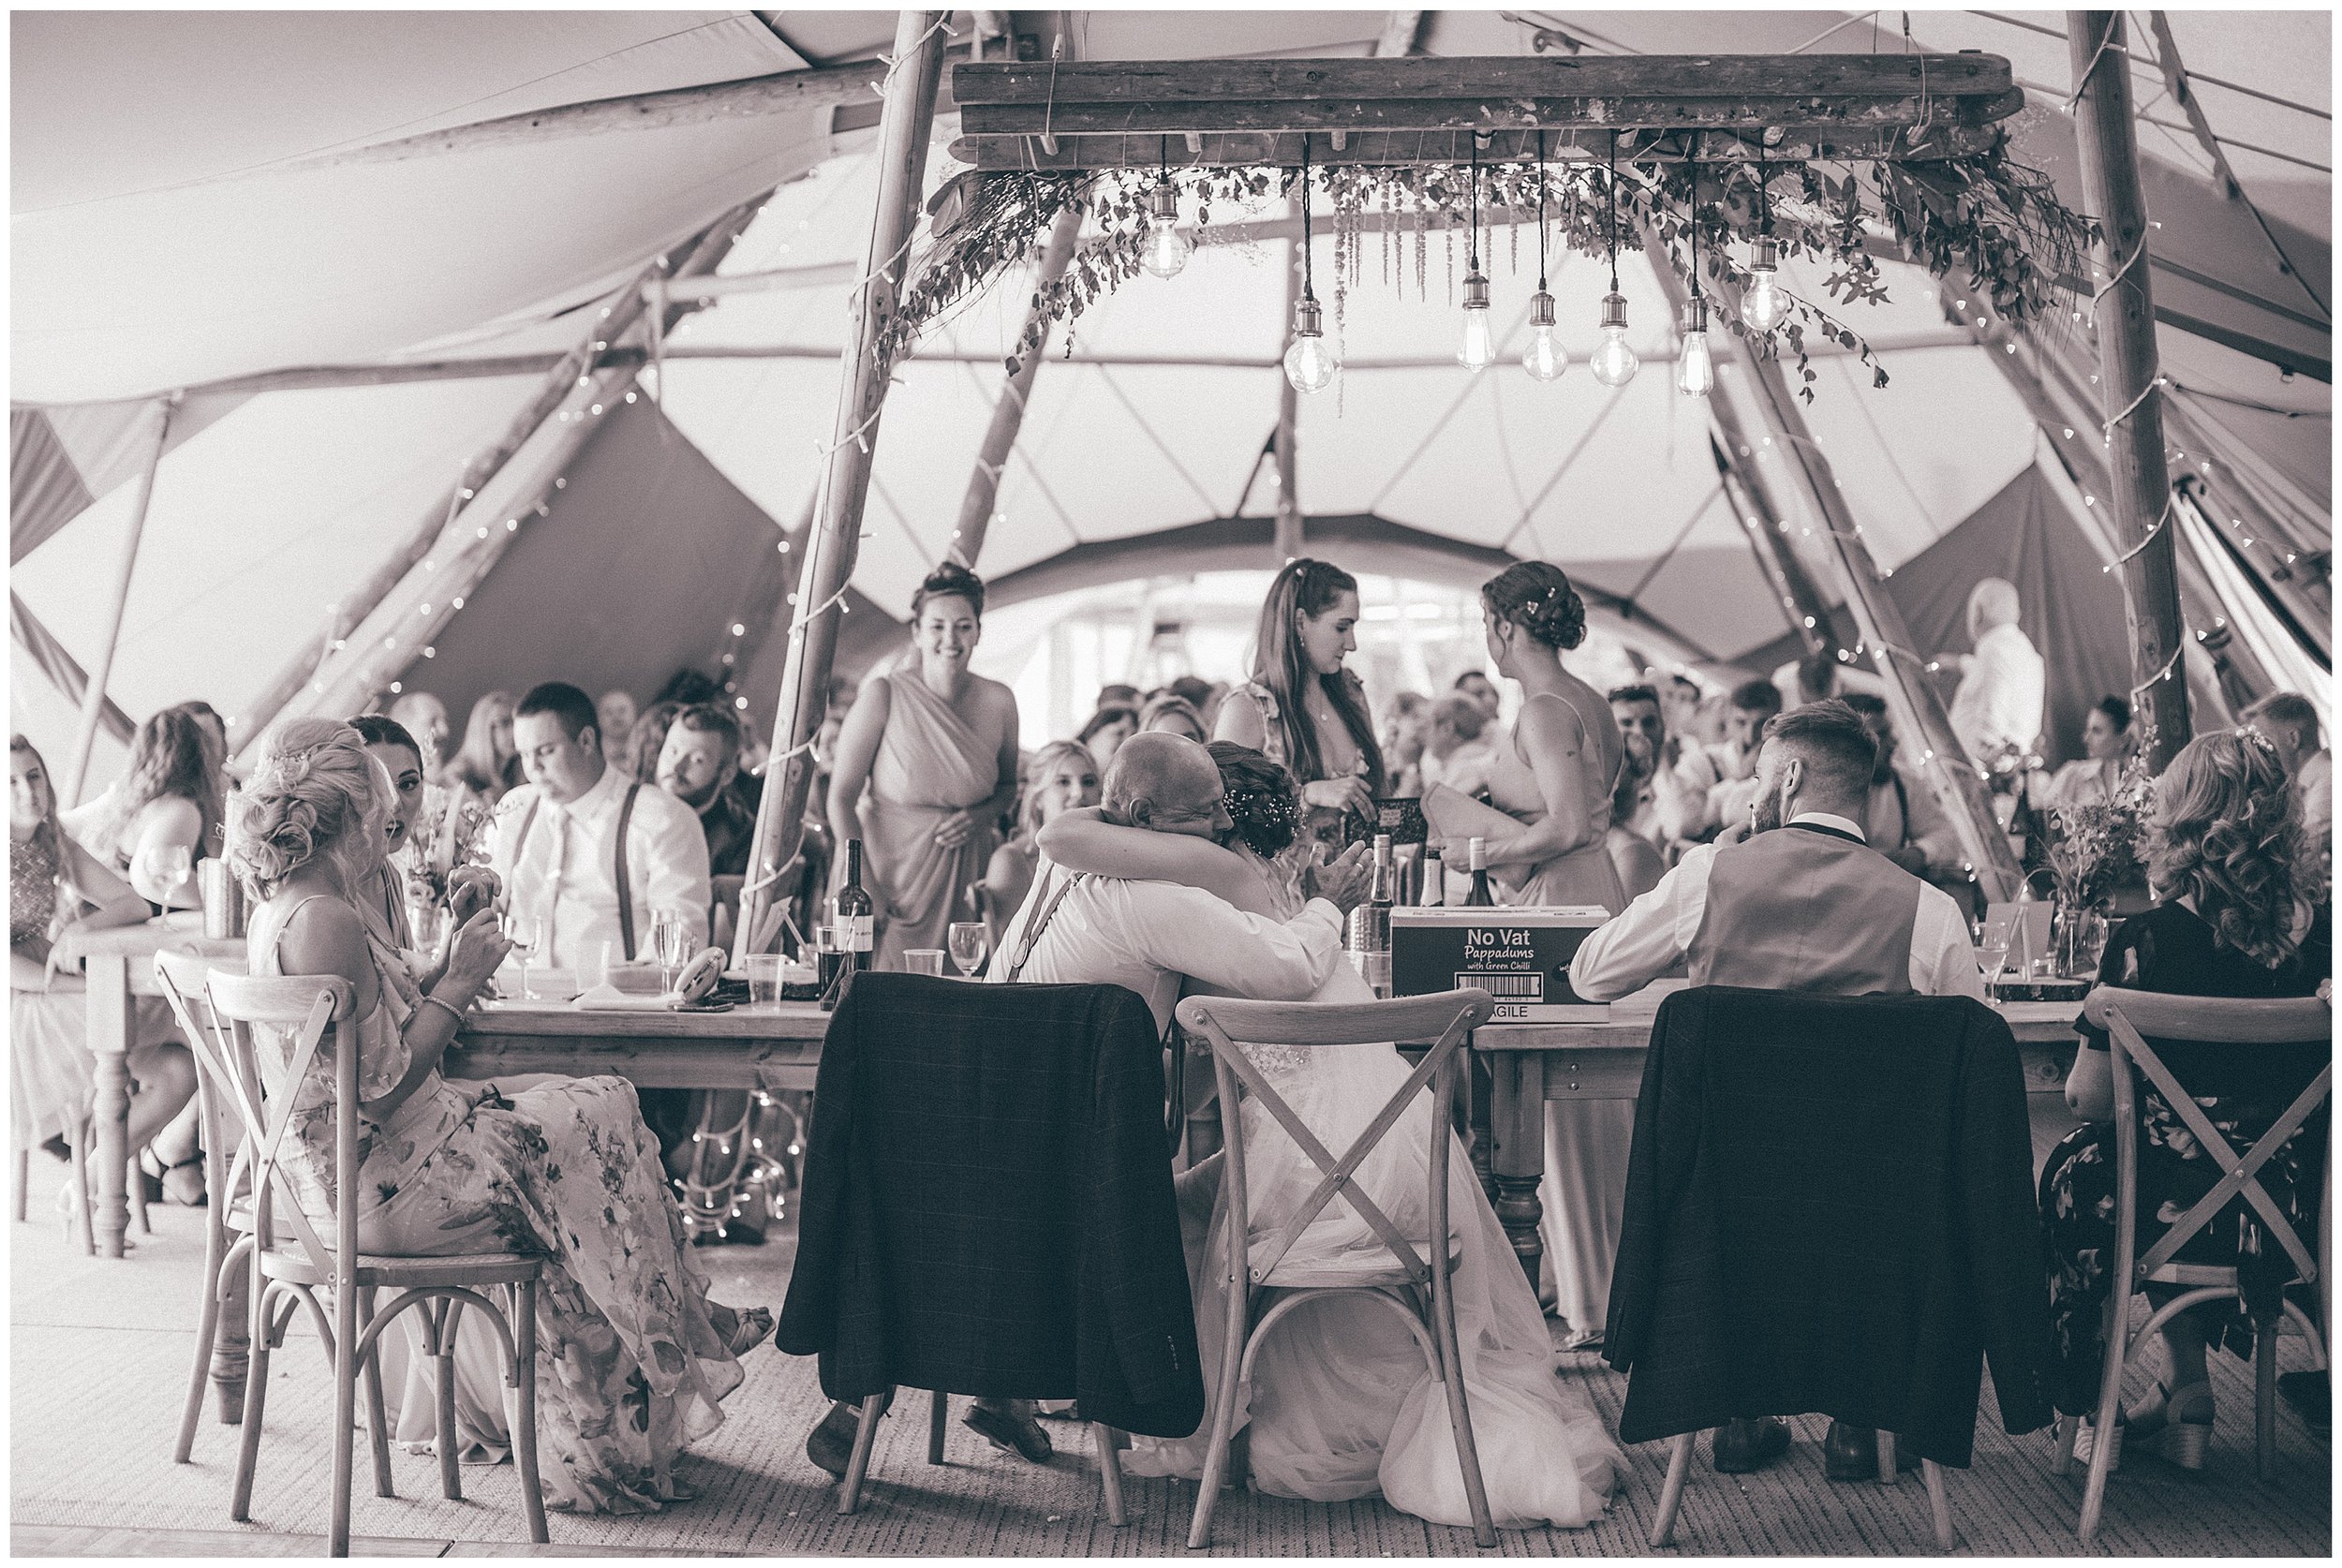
(1287, 543)
(904, 132)
(63, 671)
(712, 288)
(1911, 699)
(1753, 112)
(2128, 376)
(1008, 414)
(93, 691)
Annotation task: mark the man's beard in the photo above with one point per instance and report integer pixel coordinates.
(1768, 814)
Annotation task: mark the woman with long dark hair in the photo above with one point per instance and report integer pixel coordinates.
(166, 812)
(1303, 708)
(2231, 920)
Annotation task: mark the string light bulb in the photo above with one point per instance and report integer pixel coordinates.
(1613, 364)
(1764, 306)
(1478, 349)
(1545, 359)
(1166, 249)
(1695, 370)
(1311, 362)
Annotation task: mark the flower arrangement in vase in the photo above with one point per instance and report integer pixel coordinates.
(2095, 850)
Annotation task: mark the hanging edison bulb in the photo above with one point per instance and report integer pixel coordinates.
(1764, 306)
(1613, 364)
(1311, 362)
(1695, 369)
(1478, 349)
(1545, 359)
(1166, 249)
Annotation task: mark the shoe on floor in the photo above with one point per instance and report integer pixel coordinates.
(830, 1444)
(1746, 1444)
(1850, 1452)
(1012, 1430)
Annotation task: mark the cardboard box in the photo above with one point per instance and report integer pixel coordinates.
(1519, 954)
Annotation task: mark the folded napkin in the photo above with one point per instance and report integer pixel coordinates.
(609, 998)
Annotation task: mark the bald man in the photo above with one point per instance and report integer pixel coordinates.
(2003, 684)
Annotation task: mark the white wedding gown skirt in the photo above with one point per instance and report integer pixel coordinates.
(1341, 1403)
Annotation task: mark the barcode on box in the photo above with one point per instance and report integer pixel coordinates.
(1505, 987)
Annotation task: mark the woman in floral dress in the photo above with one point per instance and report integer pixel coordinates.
(633, 1356)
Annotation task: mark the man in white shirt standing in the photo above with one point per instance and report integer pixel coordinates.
(2004, 684)
(1802, 904)
(562, 840)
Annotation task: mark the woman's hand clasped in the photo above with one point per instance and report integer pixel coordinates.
(1340, 794)
(469, 890)
(957, 829)
(476, 952)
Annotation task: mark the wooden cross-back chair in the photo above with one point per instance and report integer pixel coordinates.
(2128, 1018)
(1415, 1284)
(312, 1010)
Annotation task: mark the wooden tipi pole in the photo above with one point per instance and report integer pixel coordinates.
(905, 126)
(94, 693)
(1008, 414)
(2129, 379)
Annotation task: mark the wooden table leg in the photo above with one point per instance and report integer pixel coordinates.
(110, 1023)
(1517, 1150)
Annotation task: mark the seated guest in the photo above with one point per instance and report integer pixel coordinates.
(560, 839)
(485, 767)
(1459, 744)
(425, 717)
(647, 739)
(1477, 686)
(1061, 777)
(1119, 696)
(2290, 723)
(1197, 692)
(1663, 809)
(383, 897)
(2107, 743)
(614, 713)
(1723, 776)
(2234, 922)
(1172, 714)
(1637, 861)
(1903, 822)
(634, 1357)
(57, 887)
(698, 764)
(1816, 679)
(166, 811)
(1338, 1404)
(1107, 728)
(1403, 724)
(1804, 904)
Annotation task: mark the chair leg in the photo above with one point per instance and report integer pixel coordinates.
(1885, 1458)
(2265, 1394)
(858, 1467)
(2068, 1427)
(522, 1374)
(344, 1416)
(939, 1413)
(1216, 1453)
(255, 1399)
(1460, 1420)
(77, 1151)
(232, 1351)
(2116, 1338)
(378, 1425)
(1671, 1490)
(206, 1335)
(23, 1183)
(443, 1348)
(1939, 1503)
(137, 1184)
(1109, 1471)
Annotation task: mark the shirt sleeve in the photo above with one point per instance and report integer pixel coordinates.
(1649, 938)
(669, 855)
(1929, 830)
(1943, 962)
(1187, 929)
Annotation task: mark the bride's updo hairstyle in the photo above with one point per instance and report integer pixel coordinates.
(312, 798)
(1262, 801)
(950, 581)
(1536, 597)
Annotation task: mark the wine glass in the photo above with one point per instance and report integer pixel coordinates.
(173, 864)
(672, 941)
(970, 941)
(523, 932)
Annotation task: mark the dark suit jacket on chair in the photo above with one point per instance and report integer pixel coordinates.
(1829, 1209)
(988, 1208)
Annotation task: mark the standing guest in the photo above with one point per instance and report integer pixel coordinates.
(1459, 744)
(1404, 725)
(648, 739)
(1119, 696)
(1804, 904)
(57, 887)
(1664, 811)
(166, 812)
(927, 765)
(1636, 857)
(698, 764)
(1064, 776)
(1680, 703)
(425, 717)
(1107, 730)
(1168, 711)
(2291, 722)
(1198, 692)
(1556, 774)
(1481, 689)
(2107, 745)
(2003, 684)
(634, 1358)
(560, 839)
(485, 767)
(1723, 776)
(1902, 819)
(2234, 920)
(1304, 709)
(1816, 679)
(614, 713)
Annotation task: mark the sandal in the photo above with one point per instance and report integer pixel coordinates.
(748, 1328)
(155, 1179)
(2175, 1422)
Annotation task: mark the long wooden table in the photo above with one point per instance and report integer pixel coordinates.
(1529, 1064)
(767, 1045)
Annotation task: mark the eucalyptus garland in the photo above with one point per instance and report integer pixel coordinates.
(1983, 214)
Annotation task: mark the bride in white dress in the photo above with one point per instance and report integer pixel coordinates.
(1341, 1403)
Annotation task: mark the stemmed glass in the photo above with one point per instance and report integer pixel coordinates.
(523, 932)
(970, 941)
(672, 941)
(173, 864)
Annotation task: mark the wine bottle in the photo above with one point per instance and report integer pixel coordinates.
(1481, 897)
(1434, 880)
(853, 914)
(1371, 922)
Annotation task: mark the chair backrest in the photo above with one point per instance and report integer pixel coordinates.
(2128, 1018)
(182, 979)
(1445, 1017)
(307, 1007)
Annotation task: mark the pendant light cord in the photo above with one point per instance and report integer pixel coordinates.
(1475, 264)
(1541, 212)
(1309, 289)
(1613, 224)
(1693, 164)
(1764, 191)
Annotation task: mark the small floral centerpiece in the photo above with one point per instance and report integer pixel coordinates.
(451, 830)
(2095, 850)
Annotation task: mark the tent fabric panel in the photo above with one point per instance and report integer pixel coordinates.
(45, 489)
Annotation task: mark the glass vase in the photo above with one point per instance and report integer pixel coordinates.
(2078, 940)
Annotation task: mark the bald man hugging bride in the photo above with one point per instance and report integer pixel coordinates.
(1187, 877)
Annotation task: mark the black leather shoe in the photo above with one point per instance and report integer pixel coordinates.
(1850, 1452)
(1746, 1444)
(1010, 1428)
(830, 1444)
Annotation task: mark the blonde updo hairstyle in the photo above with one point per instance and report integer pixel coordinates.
(2227, 830)
(314, 796)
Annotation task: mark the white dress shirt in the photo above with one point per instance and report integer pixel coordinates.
(1653, 936)
(1147, 936)
(563, 874)
(2002, 689)
(1464, 770)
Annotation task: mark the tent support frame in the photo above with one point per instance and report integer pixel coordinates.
(94, 689)
(1008, 414)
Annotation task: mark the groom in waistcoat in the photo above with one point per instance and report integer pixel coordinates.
(1802, 903)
